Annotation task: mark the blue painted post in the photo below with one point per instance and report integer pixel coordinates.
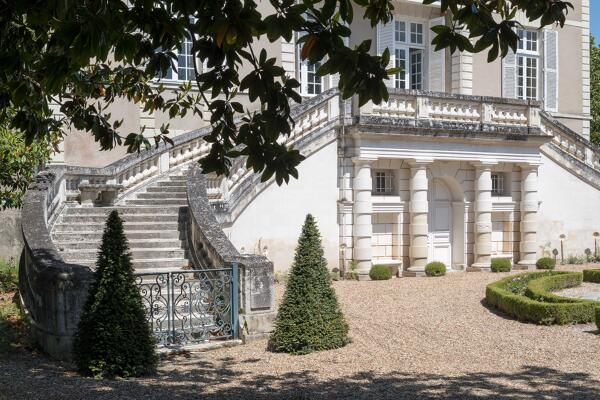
(235, 301)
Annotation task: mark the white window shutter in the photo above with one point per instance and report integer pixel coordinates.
(437, 60)
(509, 75)
(385, 39)
(334, 79)
(550, 70)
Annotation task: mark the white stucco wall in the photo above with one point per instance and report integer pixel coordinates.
(276, 215)
(569, 206)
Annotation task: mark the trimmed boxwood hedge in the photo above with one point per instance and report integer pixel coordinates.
(435, 268)
(380, 273)
(501, 265)
(508, 295)
(591, 275)
(598, 317)
(546, 263)
(540, 289)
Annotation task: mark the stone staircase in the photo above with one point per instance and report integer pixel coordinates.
(154, 218)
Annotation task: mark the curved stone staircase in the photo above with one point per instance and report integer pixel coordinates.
(154, 224)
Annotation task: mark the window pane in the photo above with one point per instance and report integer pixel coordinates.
(416, 69)
(400, 31)
(185, 63)
(400, 77)
(416, 33)
(313, 82)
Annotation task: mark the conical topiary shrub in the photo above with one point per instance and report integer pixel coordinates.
(309, 318)
(113, 336)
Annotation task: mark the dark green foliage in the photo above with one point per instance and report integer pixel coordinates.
(113, 336)
(309, 318)
(86, 54)
(435, 268)
(591, 275)
(501, 265)
(8, 275)
(598, 317)
(595, 91)
(509, 295)
(546, 263)
(380, 273)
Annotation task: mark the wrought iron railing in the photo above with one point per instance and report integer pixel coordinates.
(191, 306)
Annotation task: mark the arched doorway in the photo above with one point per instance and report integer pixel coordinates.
(440, 222)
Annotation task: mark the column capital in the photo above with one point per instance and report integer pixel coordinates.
(419, 162)
(529, 165)
(363, 160)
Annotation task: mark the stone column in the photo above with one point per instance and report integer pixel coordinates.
(529, 208)
(483, 217)
(362, 229)
(419, 210)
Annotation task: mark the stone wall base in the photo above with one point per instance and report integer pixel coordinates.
(256, 326)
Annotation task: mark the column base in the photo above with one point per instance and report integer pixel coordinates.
(412, 272)
(479, 267)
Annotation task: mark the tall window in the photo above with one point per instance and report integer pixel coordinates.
(409, 54)
(184, 65)
(527, 65)
(382, 182)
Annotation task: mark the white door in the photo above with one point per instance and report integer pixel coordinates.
(440, 224)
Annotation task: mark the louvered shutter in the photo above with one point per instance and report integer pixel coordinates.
(437, 59)
(385, 39)
(550, 70)
(509, 75)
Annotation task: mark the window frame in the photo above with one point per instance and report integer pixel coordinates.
(498, 184)
(409, 47)
(387, 179)
(522, 56)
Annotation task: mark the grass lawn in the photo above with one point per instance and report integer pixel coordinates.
(412, 338)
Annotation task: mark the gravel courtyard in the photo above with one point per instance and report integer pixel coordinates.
(425, 338)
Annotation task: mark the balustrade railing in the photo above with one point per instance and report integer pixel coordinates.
(418, 105)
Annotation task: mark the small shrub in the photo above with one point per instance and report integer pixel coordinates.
(352, 276)
(435, 268)
(545, 263)
(380, 273)
(8, 275)
(309, 318)
(501, 265)
(591, 275)
(598, 318)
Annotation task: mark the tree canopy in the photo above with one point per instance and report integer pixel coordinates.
(82, 55)
(595, 91)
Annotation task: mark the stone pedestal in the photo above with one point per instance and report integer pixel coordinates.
(362, 229)
(483, 217)
(529, 209)
(419, 209)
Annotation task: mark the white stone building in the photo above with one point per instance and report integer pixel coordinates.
(466, 162)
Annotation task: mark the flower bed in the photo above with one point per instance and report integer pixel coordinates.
(527, 298)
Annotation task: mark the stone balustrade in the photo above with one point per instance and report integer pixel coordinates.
(444, 107)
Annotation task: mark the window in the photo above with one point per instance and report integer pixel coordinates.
(497, 184)
(311, 84)
(527, 65)
(383, 182)
(409, 55)
(184, 65)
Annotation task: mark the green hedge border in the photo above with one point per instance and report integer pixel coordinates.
(598, 318)
(523, 308)
(591, 275)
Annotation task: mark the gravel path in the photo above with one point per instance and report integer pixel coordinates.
(413, 338)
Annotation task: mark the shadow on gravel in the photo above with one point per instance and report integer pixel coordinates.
(195, 379)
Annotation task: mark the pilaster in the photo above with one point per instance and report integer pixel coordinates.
(419, 210)
(362, 228)
(529, 218)
(483, 216)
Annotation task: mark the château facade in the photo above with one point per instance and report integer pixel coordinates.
(467, 161)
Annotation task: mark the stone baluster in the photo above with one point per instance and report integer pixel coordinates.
(529, 210)
(419, 210)
(362, 229)
(483, 217)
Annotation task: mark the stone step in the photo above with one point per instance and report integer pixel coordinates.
(171, 183)
(70, 219)
(133, 244)
(156, 202)
(153, 264)
(174, 210)
(137, 254)
(129, 226)
(162, 195)
(131, 235)
(167, 189)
